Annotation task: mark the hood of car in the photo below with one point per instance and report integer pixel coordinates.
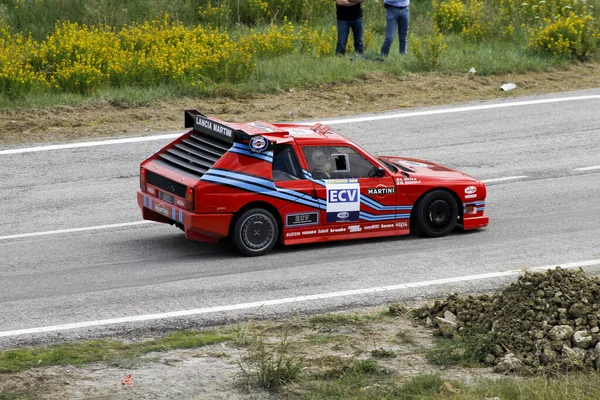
(422, 168)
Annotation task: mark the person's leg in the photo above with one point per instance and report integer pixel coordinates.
(357, 33)
(403, 18)
(390, 31)
(343, 32)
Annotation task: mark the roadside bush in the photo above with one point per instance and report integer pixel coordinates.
(573, 36)
(318, 42)
(277, 41)
(427, 51)
(454, 16)
(17, 75)
(521, 15)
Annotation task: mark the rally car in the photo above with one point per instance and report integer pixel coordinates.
(259, 184)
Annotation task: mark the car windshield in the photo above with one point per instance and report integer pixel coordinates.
(388, 164)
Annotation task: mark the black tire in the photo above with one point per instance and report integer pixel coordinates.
(255, 232)
(436, 214)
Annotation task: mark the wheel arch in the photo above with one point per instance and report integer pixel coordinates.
(258, 204)
(455, 195)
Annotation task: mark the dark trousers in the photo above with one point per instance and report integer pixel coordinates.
(344, 31)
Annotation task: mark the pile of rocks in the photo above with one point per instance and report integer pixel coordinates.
(544, 322)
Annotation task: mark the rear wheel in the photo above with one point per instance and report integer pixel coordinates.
(436, 213)
(255, 232)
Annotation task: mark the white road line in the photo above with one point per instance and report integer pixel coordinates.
(331, 122)
(460, 109)
(506, 178)
(298, 299)
(89, 228)
(588, 168)
(90, 144)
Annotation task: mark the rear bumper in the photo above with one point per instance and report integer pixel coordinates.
(475, 222)
(202, 227)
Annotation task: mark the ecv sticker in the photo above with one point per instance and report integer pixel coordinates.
(343, 200)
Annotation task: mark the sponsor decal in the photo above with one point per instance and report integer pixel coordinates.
(337, 230)
(407, 181)
(295, 132)
(387, 225)
(323, 231)
(159, 208)
(312, 232)
(470, 189)
(180, 203)
(354, 228)
(341, 181)
(376, 226)
(343, 200)
(151, 190)
(262, 127)
(470, 196)
(302, 219)
(401, 224)
(381, 190)
(258, 144)
(292, 234)
(213, 126)
(414, 163)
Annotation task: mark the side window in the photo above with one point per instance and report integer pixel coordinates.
(330, 162)
(285, 164)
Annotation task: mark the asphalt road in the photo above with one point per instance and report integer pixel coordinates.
(549, 216)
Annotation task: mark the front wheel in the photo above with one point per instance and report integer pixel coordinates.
(436, 213)
(255, 232)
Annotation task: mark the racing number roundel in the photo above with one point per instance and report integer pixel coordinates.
(258, 144)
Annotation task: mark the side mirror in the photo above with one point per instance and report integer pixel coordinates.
(379, 172)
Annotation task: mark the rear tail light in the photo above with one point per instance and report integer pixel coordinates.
(143, 179)
(189, 198)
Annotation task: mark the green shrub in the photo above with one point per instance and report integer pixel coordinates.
(572, 36)
(428, 50)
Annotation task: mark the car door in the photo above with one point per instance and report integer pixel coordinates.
(302, 214)
(356, 195)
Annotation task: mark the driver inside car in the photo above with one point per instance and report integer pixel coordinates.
(321, 166)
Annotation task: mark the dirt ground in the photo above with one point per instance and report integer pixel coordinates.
(212, 372)
(376, 92)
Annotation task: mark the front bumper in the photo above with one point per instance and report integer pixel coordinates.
(475, 222)
(202, 227)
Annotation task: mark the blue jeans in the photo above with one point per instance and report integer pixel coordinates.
(395, 17)
(344, 31)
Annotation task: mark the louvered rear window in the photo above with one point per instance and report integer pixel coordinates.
(195, 155)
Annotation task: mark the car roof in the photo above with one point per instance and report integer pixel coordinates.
(284, 133)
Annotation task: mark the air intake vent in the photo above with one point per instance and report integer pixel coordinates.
(195, 155)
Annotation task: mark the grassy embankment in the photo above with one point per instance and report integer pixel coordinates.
(349, 356)
(239, 47)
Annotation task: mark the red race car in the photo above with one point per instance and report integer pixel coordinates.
(261, 183)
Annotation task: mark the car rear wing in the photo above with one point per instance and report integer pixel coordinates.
(210, 127)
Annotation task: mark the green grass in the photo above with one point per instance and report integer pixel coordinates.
(103, 350)
(358, 386)
(468, 352)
